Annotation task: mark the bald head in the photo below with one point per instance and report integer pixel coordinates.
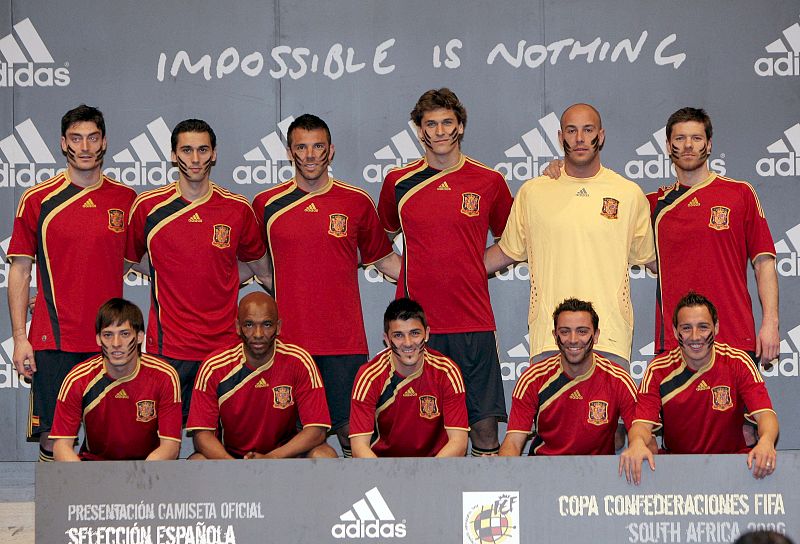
(580, 108)
(258, 299)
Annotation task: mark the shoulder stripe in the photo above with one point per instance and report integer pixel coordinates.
(353, 188)
(450, 370)
(152, 193)
(39, 187)
(371, 372)
(225, 193)
(81, 370)
(161, 366)
(305, 358)
(211, 365)
(534, 372)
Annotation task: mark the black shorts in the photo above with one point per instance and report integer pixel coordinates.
(476, 355)
(52, 366)
(338, 374)
(187, 371)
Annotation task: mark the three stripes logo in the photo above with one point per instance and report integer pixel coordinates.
(403, 148)
(530, 157)
(783, 60)
(511, 370)
(789, 163)
(8, 375)
(788, 361)
(21, 155)
(149, 157)
(786, 248)
(655, 162)
(269, 163)
(26, 70)
(370, 518)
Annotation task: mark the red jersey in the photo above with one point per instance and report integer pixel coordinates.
(314, 241)
(76, 235)
(123, 419)
(702, 411)
(258, 409)
(719, 223)
(408, 416)
(194, 277)
(572, 416)
(445, 216)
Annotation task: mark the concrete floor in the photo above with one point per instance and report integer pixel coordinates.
(16, 503)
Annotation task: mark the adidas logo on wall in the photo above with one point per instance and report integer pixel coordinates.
(22, 56)
(403, 148)
(656, 163)
(639, 362)
(150, 158)
(511, 370)
(372, 274)
(788, 363)
(789, 164)
(538, 148)
(786, 248)
(21, 155)
(784, 59)
(269, 163)
(369, 518)
(8, 374)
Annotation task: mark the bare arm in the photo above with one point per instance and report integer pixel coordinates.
(167, 450)
(262, 270)
(63, 450)
(762, 458)
(19, 284)
(389, 266)
(456, 444)
(494, 259)
(652, 266)
(630, 461)
(360, 446)
(206, 443)
(303, 442)
(512, 444)
(768, 341)
(142, 267)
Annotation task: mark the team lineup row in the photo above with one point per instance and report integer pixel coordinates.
(579, 228)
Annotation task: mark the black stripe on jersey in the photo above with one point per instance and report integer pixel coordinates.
(386, 396)
(96, 390)
(675, 382)
(227, 385)
(662, 203)
(535, 443)
(279, 203)
(548, 392)
(153, 220)
(409, 183)
(45, 289)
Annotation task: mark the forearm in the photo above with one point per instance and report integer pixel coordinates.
(513, 444)
(167, 450)
(360, 447)
(206, 443)
(768, 427)
(19, 284)
(303, 442)
(456, 445)
(389, 266)
(639, 432)
(767, 282)
(63, 450)
(495, 259)
(262, 270)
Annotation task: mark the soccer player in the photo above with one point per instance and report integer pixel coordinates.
(249, 398)
(73, 227)
(579, 233)
(445, 204)
(409, 400)
(718, 221)
(129, 402)
(701, 392)
(575, 397)
(194, 232)
(319, 230)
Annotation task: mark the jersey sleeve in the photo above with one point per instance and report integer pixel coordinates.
(169, 408)
(626, 397)
(501, 207)
(524, 406)
(135, 244)
(513, 243)
(642, 249)
(258, 208)
(24, 237)
(387, 206)
(204, 408)
(362, 407)
(455, 402)
(312, 406)
(758, 236)
(251, 242)
(648, 402)
(373, 244)
(752, 390)
(69, 411)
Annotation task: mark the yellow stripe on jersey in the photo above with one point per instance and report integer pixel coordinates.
(752, 190)
(209, 366)
(659, 362)
(56, 180)
(534, 372)
(153, 193)
(742, 357)
(449, 368)
(305, 358)
(370, 374)
(615, 370)
(78, 372)
(157, 364)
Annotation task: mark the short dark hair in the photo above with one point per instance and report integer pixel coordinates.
(192, 125)
(83, 113)
(690, 300)
(684, 115)
(576, 305)
(436, 99)
(307, 122)
(117, 311)
(763, 537)
(403, 309)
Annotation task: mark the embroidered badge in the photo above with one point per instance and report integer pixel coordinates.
(116, 220)
(282, 396)
(428, 407)
(471, 204)
(222, 236)
(338, 225)
(610, 208)
(145, 410)
(598, 412)
(721, 398)
(720, 218)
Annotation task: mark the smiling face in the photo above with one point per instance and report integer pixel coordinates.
(695, 333)
(311, 152)
(84, 146)
(575, 336)
(406, 339)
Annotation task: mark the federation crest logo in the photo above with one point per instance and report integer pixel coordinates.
(598, 412)
(720, 217)
(282, 396)
(338, 225)
(428, 407)
(471, 204)
(145, 410)
(721, 398)
(491, 517)
(222, 236)
(610, 208)
(116, 220)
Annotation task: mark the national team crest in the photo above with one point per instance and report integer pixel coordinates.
(282, 396)
(222, 236)
(471, 204)
(338, 225)
(598, 412)
(610, 208)
(428, 407)
(116, 220)
(720, 217)
(145, 410)
(721, 398)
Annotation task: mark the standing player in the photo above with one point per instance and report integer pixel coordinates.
(129, 402)
(319, 230)
(409, 400)
(718, 221)
(193, 232)
(73, 226)
(249, 398)
(445, 203)
(575, 398)
(701, 392)
(579, 233)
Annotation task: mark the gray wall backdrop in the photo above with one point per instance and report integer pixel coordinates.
(249, 66)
